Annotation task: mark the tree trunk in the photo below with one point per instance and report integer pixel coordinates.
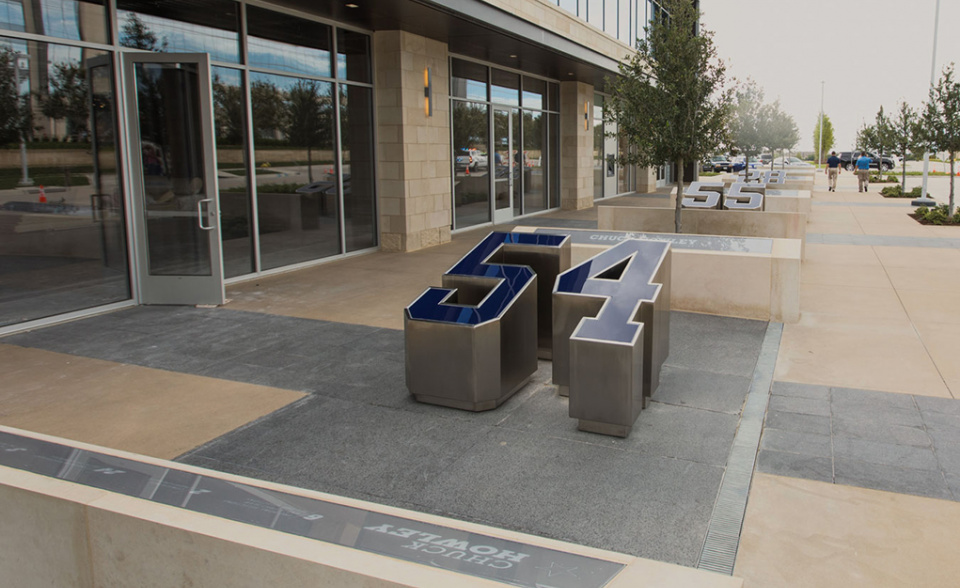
(903, 178)
(677, 224)
(309, 165)
(950, 205)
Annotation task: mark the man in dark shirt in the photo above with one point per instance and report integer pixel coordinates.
(833, 170)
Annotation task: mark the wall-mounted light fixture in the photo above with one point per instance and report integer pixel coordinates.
(586, 115)
(427, 92)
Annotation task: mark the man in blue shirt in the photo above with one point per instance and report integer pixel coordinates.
(833, 170)
(863, 172)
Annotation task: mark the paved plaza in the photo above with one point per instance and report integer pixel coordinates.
(299, 380)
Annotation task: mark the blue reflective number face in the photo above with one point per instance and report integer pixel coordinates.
(433, 304)
(624, 276)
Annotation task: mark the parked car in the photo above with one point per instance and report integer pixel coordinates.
(471, 159)
(848, 159)
(766, 158)
(790, 162)
(741, 163)
(721, 164)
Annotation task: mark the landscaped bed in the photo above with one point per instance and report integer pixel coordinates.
(937, 215)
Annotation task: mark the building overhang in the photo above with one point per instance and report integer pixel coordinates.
(476, 29)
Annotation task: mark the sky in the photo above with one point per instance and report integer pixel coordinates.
(868, 53)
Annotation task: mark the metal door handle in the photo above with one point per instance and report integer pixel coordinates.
(200, 214)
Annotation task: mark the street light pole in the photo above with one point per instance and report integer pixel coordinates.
(25, 174)
(933, 75)
(820, 146)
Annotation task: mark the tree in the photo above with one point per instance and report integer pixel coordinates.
(750, 120)
(268, 109)
(779, 131)
(903, 131)
(940, 122)
(670, 101)
(828, 139)
(228, 112)
(883, 138)
(134, 33)
(309, 119)
(68, 98)
(15, 115)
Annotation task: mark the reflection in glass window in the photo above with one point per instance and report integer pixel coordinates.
(505, 87)
(553, 160)
(471, 162)
(286, 43)
(534, 161)
(72, 255)
(469, 80)
(534, 91)
(353, 56)
(356, 148)
(230, 132)
(598, 141)
(79, 20)
(297, 200)
(181, 26)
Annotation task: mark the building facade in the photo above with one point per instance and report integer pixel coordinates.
(152, 151)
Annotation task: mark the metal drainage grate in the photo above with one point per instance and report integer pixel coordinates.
(719, 552)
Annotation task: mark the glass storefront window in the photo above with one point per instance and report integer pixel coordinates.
(356, 152)
(297, 199)
(469, 80)
(472, 161)
(181, 26)
(534, 160)
(77, 20)
(288, 44)
(353, 56)
(598, 140)
(229, 115)
(534, 92)
(553, 161)
(625, 32)
(505, 88)
(58, 182)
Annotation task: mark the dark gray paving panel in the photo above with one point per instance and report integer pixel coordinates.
(714, 343)
(891, 478)
(800, 423)
(702, 389)
(853, 428)
(798, 390)
(795, 465)
(649, 506)
(869, 400)
(811, 406)
(938, 405)
(882, 240)
(793, 442)
(337, 446)
(903, 456)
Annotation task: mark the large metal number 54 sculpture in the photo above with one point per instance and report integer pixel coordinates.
(474, 342)
(611, 332)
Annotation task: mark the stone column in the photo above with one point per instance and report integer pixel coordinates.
(576, 146)
(646, 180)
(414, 157)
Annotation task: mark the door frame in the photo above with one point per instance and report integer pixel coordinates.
(504, 215)
(172, 289)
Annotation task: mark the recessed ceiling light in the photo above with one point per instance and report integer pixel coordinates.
(569, 73)
(352, 5)
(513, 56)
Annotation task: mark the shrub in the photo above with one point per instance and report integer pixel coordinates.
(921, 211)
(892, 191)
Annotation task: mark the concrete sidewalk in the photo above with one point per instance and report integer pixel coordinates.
(858, 471)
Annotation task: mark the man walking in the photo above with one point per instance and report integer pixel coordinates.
(833, 170)
(863, 172)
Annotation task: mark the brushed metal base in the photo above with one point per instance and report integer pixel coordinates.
(468, 404)
(604, 428)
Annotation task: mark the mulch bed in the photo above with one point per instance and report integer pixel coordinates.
(923, 221)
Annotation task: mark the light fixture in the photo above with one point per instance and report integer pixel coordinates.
(512, 56)
(586, 118)
(352, 5)
(427, 92)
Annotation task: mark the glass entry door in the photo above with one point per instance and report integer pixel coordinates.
(173, 176)
(508, 165)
